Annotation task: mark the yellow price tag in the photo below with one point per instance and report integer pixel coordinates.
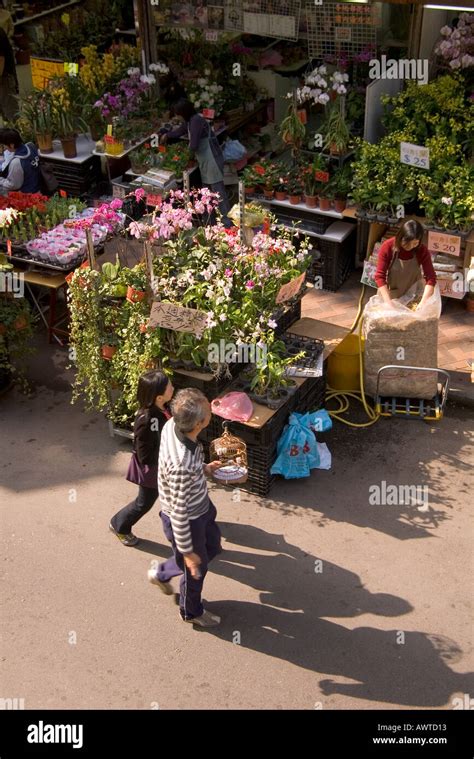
(65, 18)
(71, 68)
(109, 130)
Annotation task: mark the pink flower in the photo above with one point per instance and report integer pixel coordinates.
(135, 229)
(228, 273)
(139, 194)
(250, 284)
(116, 204)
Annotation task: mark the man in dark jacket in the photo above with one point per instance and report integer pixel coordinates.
(20, 169)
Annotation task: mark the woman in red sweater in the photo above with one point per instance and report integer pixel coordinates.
(400, 261)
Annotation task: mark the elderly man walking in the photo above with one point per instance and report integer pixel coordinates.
(188, 515)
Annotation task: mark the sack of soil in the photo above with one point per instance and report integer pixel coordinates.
(396, 334)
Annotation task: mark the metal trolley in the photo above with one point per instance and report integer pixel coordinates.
(430, 410)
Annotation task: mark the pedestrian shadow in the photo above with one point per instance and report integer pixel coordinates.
(396, 666)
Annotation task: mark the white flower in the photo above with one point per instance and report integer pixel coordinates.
(446, 31)
(222, 318)
(197, 103)
(447, 201)
(207, 72)
(272, 324)
(201, 82)
(133, 71)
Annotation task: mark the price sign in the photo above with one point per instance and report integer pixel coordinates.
(177, 318)
(343, 33)
(153, 200)
(303, 116)
(414, 155)
(322, 176)
(9, 247)
(71, 68)
(441, 243)
(63, 193)
(208, 113)
(211, 35)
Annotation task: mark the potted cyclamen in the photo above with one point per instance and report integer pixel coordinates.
(250, 180)
(295, 188)
(281, 184)
(270, 182)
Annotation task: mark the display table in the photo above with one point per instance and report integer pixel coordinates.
(46, 303)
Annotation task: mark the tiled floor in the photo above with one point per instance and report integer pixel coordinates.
(456, 329)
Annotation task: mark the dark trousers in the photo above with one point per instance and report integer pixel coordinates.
(124, 519)
(206, 538)
(224, 205)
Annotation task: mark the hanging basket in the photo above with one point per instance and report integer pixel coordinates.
(232, 452)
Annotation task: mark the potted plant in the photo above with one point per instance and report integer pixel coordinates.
(281, 182)
(335, 130)
(341, 184)
(141, 159)
(37, 109)
(326, 195)
(15, 336)
(249, 178)
(292, 130)
(66, 126)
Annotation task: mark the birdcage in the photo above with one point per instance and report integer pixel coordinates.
(232, 452)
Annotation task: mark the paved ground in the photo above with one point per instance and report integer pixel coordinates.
(386, 623)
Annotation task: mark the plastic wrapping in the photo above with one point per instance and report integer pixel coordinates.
(396, 334)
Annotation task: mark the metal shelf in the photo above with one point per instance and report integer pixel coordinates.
(29, 19)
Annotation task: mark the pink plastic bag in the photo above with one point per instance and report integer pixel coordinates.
(234, 406)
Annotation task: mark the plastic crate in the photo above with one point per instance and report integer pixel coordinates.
(211, 387)
(285, 318)
(332, 262)
(313, 348)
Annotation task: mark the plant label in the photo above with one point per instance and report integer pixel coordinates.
(414, 155)
(154, 200)
(343, 34)
(211, 35)
(208, 113)
(322, 176)
(288, 291)
(63, 193)
(441, 243)
(9, 247)
(303, 116)
(109, 130)
(71, 69)
(66, 18)
(177, 318)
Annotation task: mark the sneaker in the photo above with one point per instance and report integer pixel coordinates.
(126, 540)
(165, 587)
(205, 620)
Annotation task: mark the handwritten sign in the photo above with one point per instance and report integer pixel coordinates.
(414, 155)
(322, 176)
(442, 243)
(43, 70)
(288, 291)
(211, 35)
(343, 33)
(177, 318)
(154, 200)
(208, 113)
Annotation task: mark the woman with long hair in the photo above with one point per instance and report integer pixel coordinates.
(154, 393)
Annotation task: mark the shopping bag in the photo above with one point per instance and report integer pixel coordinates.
(292, 460)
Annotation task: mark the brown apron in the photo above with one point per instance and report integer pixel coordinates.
(402, 275)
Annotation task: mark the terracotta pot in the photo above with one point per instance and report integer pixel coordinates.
(295, 199)
(339, 205)
(135, 296)
(268, 193)
(311, 201)
(250, 190)
(20, 323)
(470, 305)
(108, 351)
(324, 204)
(69, 147)
(280, 195)
(333, 149)
(44, 142)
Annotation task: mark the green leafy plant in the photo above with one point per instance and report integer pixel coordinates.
(335, 129)
(292, 130)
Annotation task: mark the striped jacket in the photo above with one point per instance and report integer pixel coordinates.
(181, 482)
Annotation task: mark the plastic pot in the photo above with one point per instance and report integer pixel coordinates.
(295, 199)
(340, 204)
(44, 142)
(324, 204)
(108, 352)
(268, 194)
(135, 296)
(69, 147)
(250, 190)
(311, 201)
(274, 402)
(280, 195)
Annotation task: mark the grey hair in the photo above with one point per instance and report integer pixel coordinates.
(188, 408)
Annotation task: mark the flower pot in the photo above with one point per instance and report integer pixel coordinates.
(361, 213)
(3, 329)
(139, 168)
(324, 204)
(175, 363)
(276, 401)
(382, 217)
(69, 147)
(262, 399)
(135, 296)
(190, 366)
(340, 204)
(333, 149)
(268, 194)
(371, 216)
(250, 190)
(295, 199)
(20, 323)
(280, 195)
(44, 142)
(311, 201)
(392, 220)
(108, 351)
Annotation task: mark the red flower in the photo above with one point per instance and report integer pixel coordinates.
(259, 169)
